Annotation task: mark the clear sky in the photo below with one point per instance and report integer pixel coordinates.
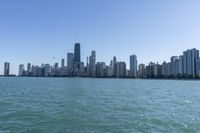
(35, 31)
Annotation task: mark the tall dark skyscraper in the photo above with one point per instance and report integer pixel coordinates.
(6, 69)
(77, 53)
(77, 58)
(29, 67)
(62, 63)
(93, 64)
(114, 66)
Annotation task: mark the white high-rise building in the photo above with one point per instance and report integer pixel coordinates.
(190, 61)
(133, 66)
(21, 70)
(180, 69)
(120, 69)
(141, 70)
(173, 67)
(195, 57)
(92, 64)
(164, 69)
(185, 62)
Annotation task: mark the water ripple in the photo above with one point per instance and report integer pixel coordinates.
(98, 105)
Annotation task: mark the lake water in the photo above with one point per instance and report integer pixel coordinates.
(78, 105)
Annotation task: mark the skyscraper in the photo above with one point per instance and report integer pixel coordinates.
(133, 66)
(114, 66)
(87, 67)
(120, 69)
(21, 70)
(70, 60)
(47, 70)
(157, 70)
(100, 69)
(195, 57)
(198, 67)
(93, 64)
(77, 54)
(164, 69)
(56, 66)
(176, 67)
(150, 70)
(173, 60)
(114, 60)
(185, 62)
(29, 67)
(82, 69)
(77, 59)
(62, 63)
(180, 70)
(6, 69)
(141, 70)
(190, 62)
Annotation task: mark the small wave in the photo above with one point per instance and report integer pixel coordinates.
(188, 101)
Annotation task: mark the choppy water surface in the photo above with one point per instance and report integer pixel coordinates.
(76, 105)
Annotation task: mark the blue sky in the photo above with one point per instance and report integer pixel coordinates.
(37, 30)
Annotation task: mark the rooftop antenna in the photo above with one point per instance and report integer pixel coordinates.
(76, 39)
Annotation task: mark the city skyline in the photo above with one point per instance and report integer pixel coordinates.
(66, 62)
(41, 32)
(103, 66)
(184, 66)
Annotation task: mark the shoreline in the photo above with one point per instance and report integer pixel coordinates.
(175, 79)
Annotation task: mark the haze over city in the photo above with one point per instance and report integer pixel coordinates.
(42, 31)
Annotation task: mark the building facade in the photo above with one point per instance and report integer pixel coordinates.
(133, 66)
(6, 69)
